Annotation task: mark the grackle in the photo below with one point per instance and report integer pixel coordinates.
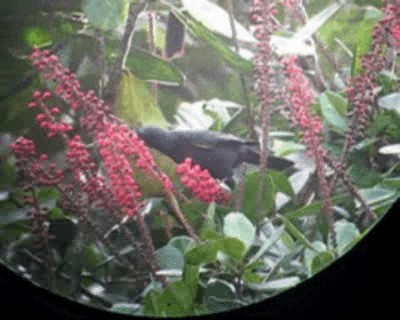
(218, 152)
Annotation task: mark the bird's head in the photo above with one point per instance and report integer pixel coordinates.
(156, 137)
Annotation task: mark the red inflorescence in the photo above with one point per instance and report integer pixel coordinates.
(125, 141)
(114, 148)
(361, 91)
(299, 99)
(94, 112)
(35, 168)
(201, 183)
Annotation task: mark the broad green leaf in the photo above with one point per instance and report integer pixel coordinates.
(309, 254)
(281, 182)
(221, 49)
(233, 247)
(392, 182)
(312, 209)
(251, 194)
(219, 295)
(280, 284)
(236, 225)
(283, 148)
(216, 19)
(176, 300)
(37, 37)
(333, 108)
(135, 103)
(364, 176)
(9, 216)
(391, 149)
(181, 243)
(106, 14)
(202, 254)
(191, 275)
(170, 257)
(321, 260)
(251, 275)
(377, 194)
(346, 232)
(152, 305)
(125, 308)
(390, 102)
(151, 68)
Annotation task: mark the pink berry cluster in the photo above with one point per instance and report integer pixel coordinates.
(94, 112)
(35, 168)
(362, 89)
(262, 15)
(48, 118)
(201, 183)
(111, 187)
(299, 99)
(113, 147)
(86, 174)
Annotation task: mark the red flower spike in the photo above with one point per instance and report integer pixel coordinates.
(201, 183)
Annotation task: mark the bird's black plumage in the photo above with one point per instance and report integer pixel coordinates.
(218, 152)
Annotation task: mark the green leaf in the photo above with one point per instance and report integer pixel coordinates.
(390, 102)
(202, 254)
(125, 308)
(9, 216)
(309, 254)
(176, 300)
(152, 305)
(283, 148)
(106, 14)
(37, 37)
(391, 149)
(321, 260)
(170, 257)
(216, 19)
(392, 182)
(219, 295)
(333, 108)
(276, 234)
(312, 209)
(251, 192)
(346, 232)
(236, 225)
(152, 68)
(280, 284)
(233, 247)
(377, 194)
(281, 182)
(221, 49)
(295, 233)
(250, 274)
(191, 275)
(181, 243)
(135, 103)
(364, 176)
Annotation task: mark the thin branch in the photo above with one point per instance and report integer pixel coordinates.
(125, 45)
(179, 215)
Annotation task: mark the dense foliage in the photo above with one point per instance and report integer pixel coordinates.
(88, 211)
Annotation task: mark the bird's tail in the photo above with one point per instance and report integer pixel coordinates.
(251, 155)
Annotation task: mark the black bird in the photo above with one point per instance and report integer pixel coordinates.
(218, 152)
